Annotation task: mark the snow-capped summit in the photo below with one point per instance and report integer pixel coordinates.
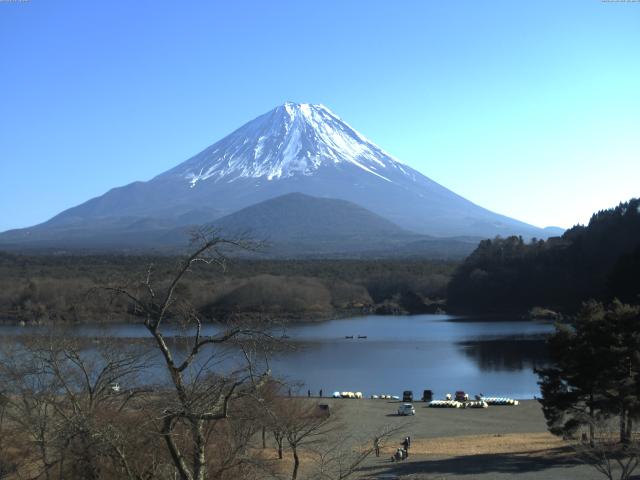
(292, 139)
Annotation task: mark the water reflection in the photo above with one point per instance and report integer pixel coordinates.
(510, 354)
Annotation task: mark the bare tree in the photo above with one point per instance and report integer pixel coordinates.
(202, 390)
(318, 436)
(303, 425)
(7, 466)
(606, 454)
(341, 458)
(272, 415)
(61, 402)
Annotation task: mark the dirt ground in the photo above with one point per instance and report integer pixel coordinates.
(499, 442)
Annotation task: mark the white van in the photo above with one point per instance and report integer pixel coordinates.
(406, 409)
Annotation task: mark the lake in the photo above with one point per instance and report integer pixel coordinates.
(438, 352)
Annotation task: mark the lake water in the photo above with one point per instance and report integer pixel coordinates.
(438, 352)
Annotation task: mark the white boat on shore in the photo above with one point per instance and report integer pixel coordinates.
(500, 401)
(445, 404)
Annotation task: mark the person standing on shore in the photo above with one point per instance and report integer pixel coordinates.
(309, 393)
(320, 393)
(405, 445)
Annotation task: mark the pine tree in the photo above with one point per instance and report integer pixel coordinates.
(595, 371)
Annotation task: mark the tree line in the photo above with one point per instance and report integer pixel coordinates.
(598, 261)
(52, 289)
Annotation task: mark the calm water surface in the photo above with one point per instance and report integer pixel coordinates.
(438, 352)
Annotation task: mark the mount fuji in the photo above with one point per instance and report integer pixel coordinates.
(294, 148)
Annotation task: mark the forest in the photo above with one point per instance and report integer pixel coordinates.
(50, 288)
(598, 261)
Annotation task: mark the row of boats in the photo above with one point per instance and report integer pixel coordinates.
(457, 404)
(483, 402)
(356, 395)
(500, 401)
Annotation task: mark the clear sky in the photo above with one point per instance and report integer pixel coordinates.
(530, 109)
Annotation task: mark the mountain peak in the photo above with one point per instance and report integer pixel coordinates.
(314, 114)
(293, 139)
(309, 111)
(303, 106)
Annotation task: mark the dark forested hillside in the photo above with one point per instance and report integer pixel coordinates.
(600, 260)
(52, 288)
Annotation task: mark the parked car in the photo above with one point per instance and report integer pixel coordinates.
(407, 396)
(427, 395)
(461, 396)
(406, 409)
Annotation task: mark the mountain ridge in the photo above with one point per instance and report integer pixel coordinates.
(293, 148)
(294, 225)
(300, 225)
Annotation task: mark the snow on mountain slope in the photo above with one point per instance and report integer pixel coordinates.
(293, 139)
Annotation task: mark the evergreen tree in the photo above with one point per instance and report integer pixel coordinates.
(598, 261)
(595, 371)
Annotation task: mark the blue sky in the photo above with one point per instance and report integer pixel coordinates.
(531, 109)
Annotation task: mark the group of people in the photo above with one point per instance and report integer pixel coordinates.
(402, 453)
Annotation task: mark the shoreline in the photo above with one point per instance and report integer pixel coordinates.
(499, 442)
(289, 318)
